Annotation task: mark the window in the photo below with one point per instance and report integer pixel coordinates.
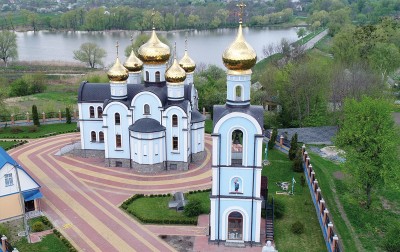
(175, 143)
(237, 147)
(174, 121)
(147, 76)
(118, 164)
(146, 109)
(99, 112)
(101, 137)
(157, 76)
(117, 119)
(91, 111)
(238, 92)
(93, 136)
(9, 179)
(118, 142)
(235, 226)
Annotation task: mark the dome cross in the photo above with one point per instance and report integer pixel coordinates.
(241, 7)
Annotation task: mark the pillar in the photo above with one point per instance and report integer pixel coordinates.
(318, 194)
(43, 117)
(12, 119)
(27, 117)
(74, 114)
(321, 206)
(310, 170)
(330, 230)
(315, 185)
(204, 111)
(325, 218)
(59, 115)
(303, 149)
(335, 242)
(3, 242)
(312, 177)
(307, 161)
(305, 156)
(281, 141)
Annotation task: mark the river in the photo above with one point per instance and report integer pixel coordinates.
(205, 46)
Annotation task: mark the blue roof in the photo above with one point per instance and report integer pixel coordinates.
(5, 158)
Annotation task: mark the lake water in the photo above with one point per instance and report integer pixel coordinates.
(205, 46)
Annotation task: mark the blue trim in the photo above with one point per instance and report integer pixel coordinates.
(32, 195)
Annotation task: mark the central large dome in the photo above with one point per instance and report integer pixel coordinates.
(154, 52)
(239, 55)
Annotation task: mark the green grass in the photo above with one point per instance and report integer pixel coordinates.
(47, 224)
(370, 224)
(297, 208)
(156, 208)
(42, 131)
(8, 144)
(50, 243)
(208, 126)
(325, 44)
(396, 108)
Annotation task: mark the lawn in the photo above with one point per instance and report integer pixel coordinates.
(298, 207)
(155, 209)
(208, 126)
(370, 225)
(17, 132)
(50, 243)
(8, 144)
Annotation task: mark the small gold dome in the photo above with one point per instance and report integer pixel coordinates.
(118, 73)
(239, 56)
(175, 74)
(154, 51)
(187, 63)
(133, 64)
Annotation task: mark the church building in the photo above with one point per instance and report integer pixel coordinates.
(146, 117)
(237, 140)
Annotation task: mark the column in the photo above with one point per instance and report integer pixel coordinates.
(43, 117)
(27, 117)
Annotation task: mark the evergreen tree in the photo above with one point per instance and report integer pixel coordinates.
(68, 115)
(35, 116)
(293, 147)
(271, 142)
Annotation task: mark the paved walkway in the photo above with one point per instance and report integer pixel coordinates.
(310, 44)
(81, 196)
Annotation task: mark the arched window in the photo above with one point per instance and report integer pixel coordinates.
(147, 76)
(117, 119)
(99, 112)
(238, 92)
(91, 111)
(174, 121)
(146, 109)
(93, 136)
(235, 226)
(101, 137)
(237, 147)
(175, 143)
(118, 141)
(157, 76)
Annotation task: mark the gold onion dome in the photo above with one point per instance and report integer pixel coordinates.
(118, 72)
(239, 55)
(175, 74)
(187, 63)
(133, 63)
(154, 51)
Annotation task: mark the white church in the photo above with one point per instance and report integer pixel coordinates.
(146, 117)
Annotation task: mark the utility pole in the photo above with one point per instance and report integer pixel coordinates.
(22, 204)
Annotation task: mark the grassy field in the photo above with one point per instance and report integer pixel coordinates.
(370, 225)
(156, 208)
(298, 207)
(50, 243)
(7, 144)
(42, 131)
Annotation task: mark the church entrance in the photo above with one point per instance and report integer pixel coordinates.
(235, 226)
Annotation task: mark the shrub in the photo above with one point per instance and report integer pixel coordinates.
(391, 241)
(193, 208)
(38, 226)
(298, 162)
(16, 130)
(4, 230)
(302, 181)
(279, 209)
(35, 116)
(68, 116)
(297, 227)
(293, 147)
(33, 129)
(271, 142)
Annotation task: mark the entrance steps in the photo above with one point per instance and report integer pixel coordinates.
(235, 244)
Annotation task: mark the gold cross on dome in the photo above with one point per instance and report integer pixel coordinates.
(175, 50)
(117, 45)
(153, 13)
(241, 7)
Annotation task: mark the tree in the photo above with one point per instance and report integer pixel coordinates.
(8, 46)
(293, 147)
(35, 116)
(68, 115)
(301, 33)
(91, 54)
(368, 136)
(271, 142)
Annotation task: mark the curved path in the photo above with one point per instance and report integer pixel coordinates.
(81, 196)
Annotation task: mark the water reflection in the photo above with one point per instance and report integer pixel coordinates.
(205, 46)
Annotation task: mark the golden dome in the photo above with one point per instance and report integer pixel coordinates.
(118, 73)
(175, 74)
(133, 64)
(187, 63)
(239, 56)
(154, 51)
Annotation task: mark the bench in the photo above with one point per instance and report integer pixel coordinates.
(178, 202)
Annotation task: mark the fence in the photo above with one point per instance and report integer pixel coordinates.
(333, 243)
(26, 118)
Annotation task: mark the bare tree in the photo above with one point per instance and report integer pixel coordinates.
(8, 46)
(91, 54)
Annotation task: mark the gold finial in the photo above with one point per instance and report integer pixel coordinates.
(241, 7)
(131, 41)
(186, 41)
(175, 50)
(117, 45)
(153, 13)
